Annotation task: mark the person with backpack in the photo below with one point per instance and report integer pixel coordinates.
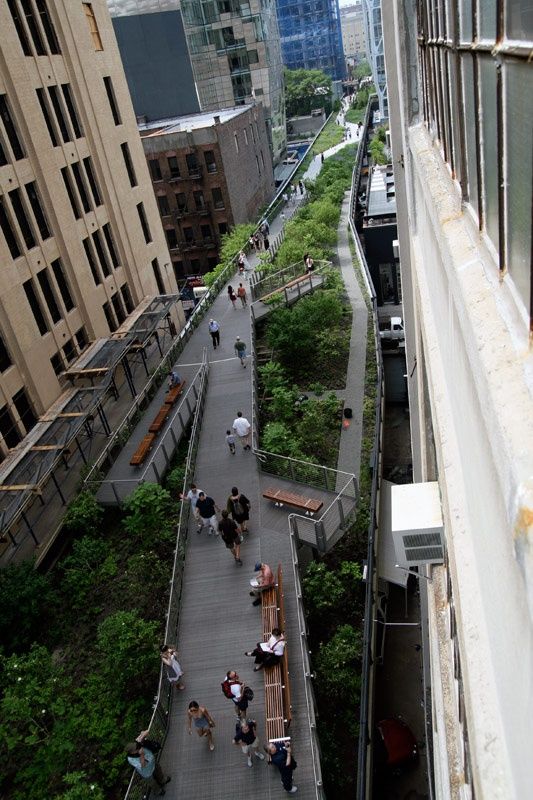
(142, 756)
(235, 690)
(246, 737)
(239, 507)
(231, 535)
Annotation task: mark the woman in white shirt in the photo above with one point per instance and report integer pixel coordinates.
(267, 654)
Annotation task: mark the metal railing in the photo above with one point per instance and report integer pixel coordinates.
(159, 722)
(262, 282)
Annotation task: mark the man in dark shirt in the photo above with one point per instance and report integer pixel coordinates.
(281, 755)
(231, 535)
(207, 509)
(246, 736)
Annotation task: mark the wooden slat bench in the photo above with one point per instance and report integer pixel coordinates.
(143, 449)
(282, 497)
(160, 418)
(277, 711)
(173, 394)
(289, 285)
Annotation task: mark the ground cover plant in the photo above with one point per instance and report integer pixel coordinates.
(79, 661)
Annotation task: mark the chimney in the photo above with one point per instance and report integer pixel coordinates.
(217, 120)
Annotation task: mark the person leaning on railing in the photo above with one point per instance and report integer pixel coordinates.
(143, 760)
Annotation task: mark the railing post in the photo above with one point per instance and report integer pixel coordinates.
(321, 539)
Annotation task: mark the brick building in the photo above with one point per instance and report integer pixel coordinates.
(209, 173)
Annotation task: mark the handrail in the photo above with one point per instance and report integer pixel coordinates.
(158, 724)
(275, 281)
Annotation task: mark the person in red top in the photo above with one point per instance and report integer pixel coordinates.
(264, 580)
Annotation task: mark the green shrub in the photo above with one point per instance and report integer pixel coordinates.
(338, 667)
(80, 787)
(126, 645)
(84, 514)
(150, 512)
(272, 376)
(91, 563)
(174, 481)
(27, 601)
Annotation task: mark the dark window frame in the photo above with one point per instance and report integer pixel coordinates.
(23, 219)
(130, 169)
(35, 306)
(112, 100)
(144, 223)
(62, 284)
(50, 298)
(34, 199)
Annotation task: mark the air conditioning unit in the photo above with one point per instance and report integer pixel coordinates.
(416, 524)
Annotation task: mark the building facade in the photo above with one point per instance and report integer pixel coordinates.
(353, 33)
(311, 36)
(461, 99)
(209, 173)
(80, 236)
(236, 59)
(375, 52)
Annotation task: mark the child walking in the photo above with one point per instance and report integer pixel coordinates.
(230, 441)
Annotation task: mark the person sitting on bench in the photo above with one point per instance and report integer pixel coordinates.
(265, 580)
(173, 379)
(268, 654)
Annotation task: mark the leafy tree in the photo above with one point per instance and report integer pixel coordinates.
(91, 563)
(84, 514)
(319, 419)
(174, 481)
(126, 645)
(150, 512)
(338, 667)
(232, 242)
(362, 70)
(80, 787)
(323, 589)
(305, 89)
(377, 151)
(272, 376)
(26, 600)
(278, 438)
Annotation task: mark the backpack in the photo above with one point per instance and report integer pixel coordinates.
(226, 688)
(238, 508)
(248, 694)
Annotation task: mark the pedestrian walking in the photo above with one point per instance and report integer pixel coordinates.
(268, 654)
(192, 497)
(309, 264)
(232, 296)
(257, 242)
(251, 242)
(239, 507)
(173, 669)
(143, 760)
(280, 754)
(283, 217)
(265, 228)
(231, 535)
(321, 158)
(202, 720)
(266, 242)
(230, 441)
(245, 263)
(243, 429)
(260, 583)
(241, 293)
(235, 690)
(214, 330)
(285, 197)
(207, 508)
(301, 186)
(246, 737)
(240, 350)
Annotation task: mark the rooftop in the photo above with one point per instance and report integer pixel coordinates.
(381, 193)
(205, 119)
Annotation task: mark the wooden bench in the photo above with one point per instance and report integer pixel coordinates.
(282, 497)
(173, 394)
(277, 698)
(143, 449)
(289, 285)
(160, 418)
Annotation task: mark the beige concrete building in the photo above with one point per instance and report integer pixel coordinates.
(81, 241)
(353, 33)
(460, 83)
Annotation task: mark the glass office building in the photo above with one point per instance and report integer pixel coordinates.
(311, 36)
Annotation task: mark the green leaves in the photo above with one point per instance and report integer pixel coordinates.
(84, 514)
(27, 600)
(150, 512)
(301, 87)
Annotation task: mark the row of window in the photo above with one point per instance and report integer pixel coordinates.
(194, 202)
(16, 206)
(106, 255)
(70, 350)
(170, 168)
(60, 113)
(188, 237)
(79, 196)
(34, 27)
(18, 411)
(118, 307)
(193, 266)
(56, 294)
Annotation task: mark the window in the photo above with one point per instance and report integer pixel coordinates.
(210, 162)
(38, 213)
(206, 232)
(245, 136)
(108, 234)
(10, 129)
(144, 223)
(222, 228)
(57, 364)
(69, 351)
(188, 235)
(106, 308)
(155, 169)
(49, 296)
(252, 132)
(81, 187)
(253, 58)
(3, 158)
(62, 284)
(126, 296)
(93, 26)
(81, 339)
(33, 27)
(92, 181)
(70, 191)
(49, 30)
(71, 108)
(218, 200)
(192, 164)
(108, 83)
(119, 309)
(173, 167)
(158, 279)
(35, 306)
(212, 262)
(19, 27)
(172, 239)
(181, 202)
(92, 263)
(101, 253)
(179, 272)
(22, 218)
(47, 118)
(25, 411)
(7, 229)
(58, 111)
(5, 358)
(199, 201)
(129, 163)
(162, 202)
(8, 429)
(236, 142)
